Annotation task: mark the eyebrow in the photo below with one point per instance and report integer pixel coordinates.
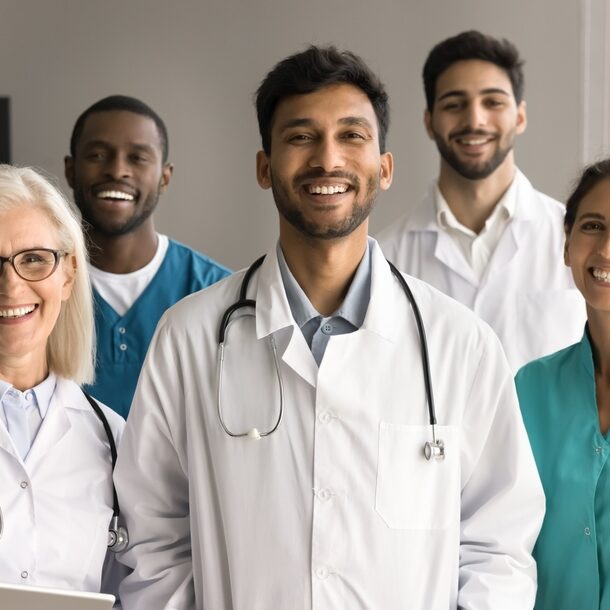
(595, 215)
(462, 93)
(307, 122)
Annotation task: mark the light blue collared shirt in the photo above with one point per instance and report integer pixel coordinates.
(35, 401)
(349, 317)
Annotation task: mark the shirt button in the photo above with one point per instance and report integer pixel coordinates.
(587, 531)
(325, 494)
(24, 574)
(322, 572)
(324, 417)
(598, 450)
(28, 395)
(122, 330)
(327, 328)
(122, 347)
(23, 484)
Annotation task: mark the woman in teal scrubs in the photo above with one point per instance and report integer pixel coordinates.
(565, 400)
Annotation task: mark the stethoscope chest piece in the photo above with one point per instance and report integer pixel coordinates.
(435, 450)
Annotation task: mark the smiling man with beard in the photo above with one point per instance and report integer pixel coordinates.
(118, 168)
(286, 469)
(483, 235)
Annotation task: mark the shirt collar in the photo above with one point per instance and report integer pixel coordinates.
(504, 210)
(42, 393)
(354, 306)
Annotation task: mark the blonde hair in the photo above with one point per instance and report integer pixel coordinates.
(71, 344)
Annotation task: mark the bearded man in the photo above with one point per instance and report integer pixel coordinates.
(483, 235)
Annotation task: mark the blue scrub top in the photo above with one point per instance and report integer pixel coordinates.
(559, 407)
(122, 341)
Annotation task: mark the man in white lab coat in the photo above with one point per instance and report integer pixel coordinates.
(483, 235)
(301, 480)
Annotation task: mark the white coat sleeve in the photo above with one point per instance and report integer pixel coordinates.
(502, 497)
(152, 485)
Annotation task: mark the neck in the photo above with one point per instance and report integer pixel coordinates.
(323, 268)
(599, 330)
(24, 373)
(473, 201)
(122, 253)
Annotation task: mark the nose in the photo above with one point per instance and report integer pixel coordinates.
(8, 276)
(603, 246)
(327, 154)
(118, 167)
(475, 115)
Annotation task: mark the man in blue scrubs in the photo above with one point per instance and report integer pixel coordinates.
(117, 168)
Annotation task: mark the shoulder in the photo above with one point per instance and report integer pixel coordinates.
(196, 260)
(202, 308)
(546, 205)
(72, 395)
(541, 374)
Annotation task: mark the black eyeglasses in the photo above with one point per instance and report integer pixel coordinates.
(33, 265)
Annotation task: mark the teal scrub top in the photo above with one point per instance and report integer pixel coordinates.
(122, 341)
(557, 398)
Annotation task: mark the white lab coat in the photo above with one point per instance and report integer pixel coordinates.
(56, 506)
(526, 294)
(337, 509)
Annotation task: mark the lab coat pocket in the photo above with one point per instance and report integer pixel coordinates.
(412, 492)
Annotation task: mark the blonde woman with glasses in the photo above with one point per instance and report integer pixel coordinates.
(56, 493)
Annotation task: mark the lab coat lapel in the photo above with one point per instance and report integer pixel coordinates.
(515, 235)
(6, 444)
(56, 423)
(445, 249)
(273, 316)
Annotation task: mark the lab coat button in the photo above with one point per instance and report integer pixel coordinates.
(587, 531)
(24, 574)
(122, 330)
(23, 484)
(322, 572)
(122, 347)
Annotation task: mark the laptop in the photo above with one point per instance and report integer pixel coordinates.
(20, 597)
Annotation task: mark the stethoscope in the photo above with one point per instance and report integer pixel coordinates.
(432, 449)
(118, 538)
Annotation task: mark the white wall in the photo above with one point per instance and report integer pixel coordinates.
(198, 64)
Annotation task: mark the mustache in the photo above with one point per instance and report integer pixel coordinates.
(467, 131)
(314, 174)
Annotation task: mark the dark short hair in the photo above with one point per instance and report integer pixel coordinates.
(312, 70)
(588, 179)
(472, 45)
(128, 104)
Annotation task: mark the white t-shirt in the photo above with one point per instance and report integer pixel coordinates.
(121, 290)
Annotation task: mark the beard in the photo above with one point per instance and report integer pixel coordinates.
(474, 171)
(360, 210)
(103, 223)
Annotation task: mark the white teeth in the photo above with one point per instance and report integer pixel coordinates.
(474, 142)
(600, 274)
(115, 195)
(327, 190)
(18, 312)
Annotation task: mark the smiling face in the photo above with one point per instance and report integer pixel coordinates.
(117, 173)
(325, 167)
(587, 250)
(475, 118)
(29, 310)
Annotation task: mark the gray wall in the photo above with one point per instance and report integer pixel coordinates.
(199, 63)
